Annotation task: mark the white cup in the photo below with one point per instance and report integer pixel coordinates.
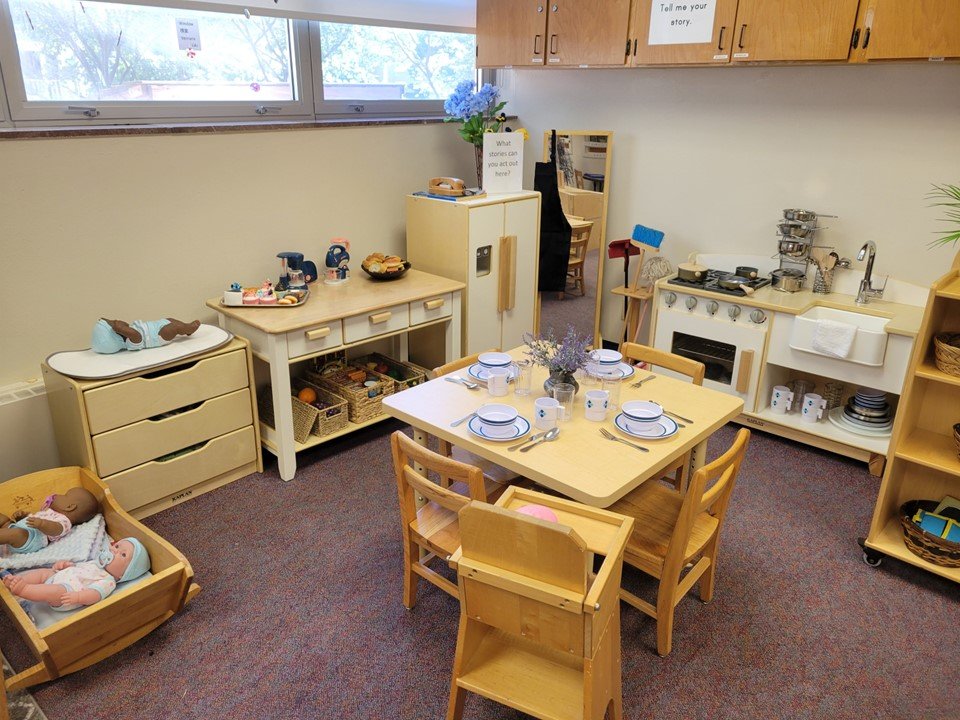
(813, 407)
(781, 400)
(545, 411)
(497, 381)
(595, 405)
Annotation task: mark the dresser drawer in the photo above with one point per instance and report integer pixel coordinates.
(432, 308)
(151, 481)
(125, 447)
(325, 336)
(122, 403)
(378, 322)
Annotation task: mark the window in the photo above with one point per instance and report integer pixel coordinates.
(76, 60)
(386, 70)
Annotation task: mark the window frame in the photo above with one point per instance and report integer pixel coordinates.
(5, 121)
(25, 113)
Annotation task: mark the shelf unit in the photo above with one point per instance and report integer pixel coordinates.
(924, 463)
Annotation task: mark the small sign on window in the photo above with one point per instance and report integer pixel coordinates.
(188, 33)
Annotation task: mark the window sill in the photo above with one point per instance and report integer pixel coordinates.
(205, 127)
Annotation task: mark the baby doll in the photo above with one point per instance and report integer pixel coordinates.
(110, 336)
(58, 515)
(67, 585)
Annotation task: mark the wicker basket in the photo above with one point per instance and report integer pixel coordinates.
(363, 403)
(947, 350)
(956, 438)
(304, 415)
(931, 548)
(329, 419)
(405, 375)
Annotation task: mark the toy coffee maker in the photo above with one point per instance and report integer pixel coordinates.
(295, 272)
(338, 256)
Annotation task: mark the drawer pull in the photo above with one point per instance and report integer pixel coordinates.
(433, 304)
(318, 333)
(380, 317)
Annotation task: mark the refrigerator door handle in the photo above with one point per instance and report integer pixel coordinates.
(507, 288)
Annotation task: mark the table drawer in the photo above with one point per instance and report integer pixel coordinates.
(378, 322)
(122, 403)
(325, 336)
(151, 481)
(125, 447)
(432, 308)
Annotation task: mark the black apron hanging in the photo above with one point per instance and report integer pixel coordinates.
(554, 228)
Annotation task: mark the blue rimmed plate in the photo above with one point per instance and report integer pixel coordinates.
(479, 372)
(664, 428)
(600, 370)
(521, 427)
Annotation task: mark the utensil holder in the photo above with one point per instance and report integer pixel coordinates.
(833, 394)
(823, 282)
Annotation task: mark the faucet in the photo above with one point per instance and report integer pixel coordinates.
(867, 291)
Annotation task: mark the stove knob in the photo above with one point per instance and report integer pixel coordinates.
(691, 303)
(712, 307)
(669, 298)
(758, 316)
(734, 312)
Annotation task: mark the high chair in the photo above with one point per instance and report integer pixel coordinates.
(673, 531)
(434, 526)
(538, 631)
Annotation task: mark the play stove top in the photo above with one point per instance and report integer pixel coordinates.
(712, 283)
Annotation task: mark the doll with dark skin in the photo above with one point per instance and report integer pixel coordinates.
(110, 336)
(29, 533)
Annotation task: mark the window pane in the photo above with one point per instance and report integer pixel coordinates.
(90, 51)
(361, 62)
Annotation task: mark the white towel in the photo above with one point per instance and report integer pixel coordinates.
(834, 338)
(82, 543)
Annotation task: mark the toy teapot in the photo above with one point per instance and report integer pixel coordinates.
(338, 256)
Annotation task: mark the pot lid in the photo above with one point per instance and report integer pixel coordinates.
(692, 265)
(788, 272)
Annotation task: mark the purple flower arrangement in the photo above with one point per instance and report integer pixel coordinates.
(566, 355)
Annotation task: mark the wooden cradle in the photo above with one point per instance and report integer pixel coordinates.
(98, 631)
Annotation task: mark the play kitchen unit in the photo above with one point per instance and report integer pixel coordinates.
(812, 365)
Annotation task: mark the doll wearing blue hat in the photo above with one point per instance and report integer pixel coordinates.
(68, 585)
(110, 336)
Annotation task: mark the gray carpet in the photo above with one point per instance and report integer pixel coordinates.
(572, 309)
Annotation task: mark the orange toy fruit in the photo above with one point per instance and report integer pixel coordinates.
(307, 395)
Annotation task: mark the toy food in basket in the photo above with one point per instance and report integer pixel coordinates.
(384, 267)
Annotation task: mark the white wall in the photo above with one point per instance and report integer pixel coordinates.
(711, 156)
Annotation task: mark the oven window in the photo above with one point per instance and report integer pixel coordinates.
(717, 356)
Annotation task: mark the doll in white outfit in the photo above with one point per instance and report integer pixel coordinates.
(67, 585)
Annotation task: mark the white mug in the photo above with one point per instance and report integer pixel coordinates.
(813, 407)
(545, 411)
(781, 400)
(497, 381)
(595, 405)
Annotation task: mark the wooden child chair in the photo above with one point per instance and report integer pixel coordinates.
(579, 240)
(538, 631)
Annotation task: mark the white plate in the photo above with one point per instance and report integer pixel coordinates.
(886, 425)
(664, 428)
(837, 417)
(601, 370)
(520, 428)
(479, 372)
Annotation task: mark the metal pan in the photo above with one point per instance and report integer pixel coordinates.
(732, 282)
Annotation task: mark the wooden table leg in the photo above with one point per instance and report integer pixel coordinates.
(282, 406)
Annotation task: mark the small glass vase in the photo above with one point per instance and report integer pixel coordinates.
(560, 376)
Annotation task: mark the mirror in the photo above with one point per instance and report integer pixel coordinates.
(583, 177)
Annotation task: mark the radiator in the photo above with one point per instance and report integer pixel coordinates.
(27, 440)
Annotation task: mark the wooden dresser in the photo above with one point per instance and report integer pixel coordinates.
(165, 435)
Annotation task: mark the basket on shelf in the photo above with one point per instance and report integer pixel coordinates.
(931, 548)
(947, 351)
(331, 418)
(304, 415)
(405, 375)
(364, 402)
(956, 437)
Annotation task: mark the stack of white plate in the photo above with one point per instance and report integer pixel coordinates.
(866, 413)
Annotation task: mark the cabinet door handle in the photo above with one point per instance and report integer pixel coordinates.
(380, 317)
(740, 42)
(743, 376)
(723, 29)
(536, 44)
(634, 47)
(433, 304)
(866, 38)
(553, 44)
(317, 333)
(855, 41)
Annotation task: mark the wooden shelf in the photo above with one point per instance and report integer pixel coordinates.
(890, 542)
(826, 429)
(928, 370)
(951, 289)
(504, 667)
(931, 450)
(268, 435)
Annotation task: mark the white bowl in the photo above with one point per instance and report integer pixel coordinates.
(606, 358)
(497, 415)
(642, 411)
(494, 359)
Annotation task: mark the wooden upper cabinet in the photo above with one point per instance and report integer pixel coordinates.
(907, 29)
(716, 50)
(788, 30)
(587, 33)
(511, 32)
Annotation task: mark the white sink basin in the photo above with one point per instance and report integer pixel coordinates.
(869, 344)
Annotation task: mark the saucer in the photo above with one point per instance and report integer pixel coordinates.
(520, 428)
(599, 371)
(837, 417)
(664, 428)
(480, 372)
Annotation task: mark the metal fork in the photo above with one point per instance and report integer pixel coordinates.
(641, 381)
(610, 436)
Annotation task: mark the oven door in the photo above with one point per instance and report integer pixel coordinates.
(731, 351)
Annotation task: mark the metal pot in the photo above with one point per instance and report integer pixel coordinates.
(793, 248)
(733, 282)
(751, 273)
(799, 215)
(787, 279)
(796, 229)
(691, 270)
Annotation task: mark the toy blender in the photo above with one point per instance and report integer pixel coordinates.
(291, 271)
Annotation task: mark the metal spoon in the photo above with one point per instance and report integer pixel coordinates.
(550, 435)
(460, 381)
